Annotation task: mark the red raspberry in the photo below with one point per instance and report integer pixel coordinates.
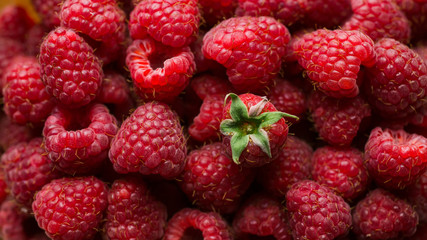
(101, 20)
(24, 94)
(381, 215)
(287, 97)
(251, 48)
(70, 71)
(11, 221)
(173, 22)
(34, 39)
(159, 72)
(416, 194)
(316, 212)
(150, 141)
(15, 22)
(212, 181)
(342, 170)
(9, 48)
(214, 12)
(48, 10)
(27, 169)
(415, 11)
(4, 191)
(320, 53)
(262, 215)
(326, 13)
(379, 19)
(206, 84)
(78, 141)
(133, 213)
(210, 224)
(395, 159)
(204, 64)
(205, 126)
(253, 131)
(71, 208)
(292, 165)
(12, 133)
(397, 84)
(337, 120)
(287, 12)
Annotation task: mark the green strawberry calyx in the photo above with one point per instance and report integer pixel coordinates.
(248, 125)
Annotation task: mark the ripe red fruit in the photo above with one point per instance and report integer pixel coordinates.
(9, 49)
(15, 22)
(11, 221)
(416, 194)
(71, 208)
(48, 10)
(287, 97)
(150, 141)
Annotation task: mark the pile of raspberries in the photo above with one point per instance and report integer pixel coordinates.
(213, 119)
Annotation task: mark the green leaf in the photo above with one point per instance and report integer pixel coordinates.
(260, 138)
(269, 118)
(229, 127)
(238, 143)
(238, 110)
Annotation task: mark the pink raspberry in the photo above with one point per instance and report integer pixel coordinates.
(262, 215)
(287, 97)
(101, 20)
(9, 49)
(214, 12)
(150, 141)
(15, 22)
(212, 181)
(78, 141)
(48, 10)
(159, 72)
(71, 208)
(316, 212)
(12, 218)
(133, 213)
(172, 22)
(27, 169)
(379, 19)
(395, 159)
(24, 94)
(381, 215)
(211, 225)
(342, 170)
(320, 54)
(292, 165)
(251, 48)
(204, 64)
(69, 69)
(416, 194)
(396, 85)
(337, 120)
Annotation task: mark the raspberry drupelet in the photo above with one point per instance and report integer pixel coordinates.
(78, 141)
(69, 68)
(159, 72)
(150, 141)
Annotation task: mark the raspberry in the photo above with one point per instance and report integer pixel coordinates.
(48, 10)
(133, 213)
(251, 48)
(206, 84)
(208, 225)
(4, 191)
(34, 38)
(415, 12)
(70, 71)
(205, 126)
(71, 208)
(287, 12)
(395, 158)
(172, 22)
(159, 72)
(262, 215)
(316, 212)
(253, 131)
(8, 49)
(150, 141)
(379, 19)
(342, 170)
(202, 63)
(24, 94)
(11, 221)
(332, 59)
(287, 97)
(337, 120)
(381, 215)
(212, 181)
(214, 12)
(12, 133)
(15, 22)
(416, 194)
(292, 165)
(27, 169)
(78, 141)
(326, 13)
(396, 85)
(103, 21)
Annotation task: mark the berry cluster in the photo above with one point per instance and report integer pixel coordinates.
(201, 119)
